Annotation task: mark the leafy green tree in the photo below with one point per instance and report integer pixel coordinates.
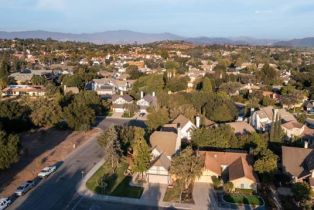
(46, 113)
(267, 163)
(221, 109)
(228, 187)
(38, 80)
(14, 117)
(9, 149)
(73, 81)
(207, 85)
(186, 166)
(133, 71)
(4, 72)
(141, 153)
(177, 84)
(110, 143)
(259, 143)
(220, 137)
(157, 118)
(90, 99)
(302, 193)
(186, 109)
(79, 116)
(230, 87)
(268, 75)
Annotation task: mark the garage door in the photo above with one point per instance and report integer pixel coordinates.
(158, 179)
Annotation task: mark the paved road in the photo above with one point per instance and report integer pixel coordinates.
(59, 190)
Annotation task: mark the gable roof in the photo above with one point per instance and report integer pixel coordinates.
(125, 97)
(163, 161)
(292, 124)
(164, 141)
(237, 163)
(241, 127)
(268, 112)
(297, 161)
(181, 120)
(240, 168)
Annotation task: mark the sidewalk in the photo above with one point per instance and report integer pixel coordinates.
(83, 191)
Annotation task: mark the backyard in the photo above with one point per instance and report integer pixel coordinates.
(114, 184)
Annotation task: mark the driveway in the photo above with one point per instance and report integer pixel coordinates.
(203, 196)
(154, 192)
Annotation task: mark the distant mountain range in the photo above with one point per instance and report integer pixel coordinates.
(130, 37)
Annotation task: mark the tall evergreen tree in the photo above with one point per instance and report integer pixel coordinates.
(111, 145)
(276, 133)
(141, 153)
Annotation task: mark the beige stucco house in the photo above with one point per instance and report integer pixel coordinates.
(229, 166)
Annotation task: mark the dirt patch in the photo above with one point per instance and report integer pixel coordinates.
(41, 148)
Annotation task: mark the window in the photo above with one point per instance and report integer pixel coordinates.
(242, 186)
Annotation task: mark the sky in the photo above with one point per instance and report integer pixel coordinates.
(271, 19)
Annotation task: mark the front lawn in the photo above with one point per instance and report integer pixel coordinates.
(114, 184)
(243, 199)
(128, 114)
(173, 195)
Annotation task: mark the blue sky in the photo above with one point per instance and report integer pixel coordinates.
(279, 19)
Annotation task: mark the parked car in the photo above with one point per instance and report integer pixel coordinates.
(47, 171)
(4, 203)
(24, 188)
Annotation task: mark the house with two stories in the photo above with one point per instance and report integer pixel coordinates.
(262, 119)
(146, 101)
(298, 163)
(184, 125)
(230, 167)
(165, 145)
(120, 102)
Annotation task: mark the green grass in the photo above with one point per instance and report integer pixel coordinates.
(128, 114)
(243, 199)
(117, 183)
(172, 195)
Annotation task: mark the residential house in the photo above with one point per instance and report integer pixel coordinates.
(185, 126)
(71, 90)
(103, 87)
(241, 127)
(19, 90)
(146, 101)
(293, 129)
(262, 119)
(229, 166)
(165, 145)
(298, 163)
(26, 75)
(120, 102)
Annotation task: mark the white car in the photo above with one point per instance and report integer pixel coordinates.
(4, 203)
(47, 171)
(24, 188)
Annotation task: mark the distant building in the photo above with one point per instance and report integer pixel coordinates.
(120, 102)
(19, 90)
(146, 101)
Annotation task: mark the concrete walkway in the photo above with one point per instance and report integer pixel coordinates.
(152, 196)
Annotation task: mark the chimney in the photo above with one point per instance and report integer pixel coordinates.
(142, 94)
(153, 93)
(306, 144)
(198, 121)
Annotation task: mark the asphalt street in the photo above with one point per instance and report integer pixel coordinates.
(58, 191)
